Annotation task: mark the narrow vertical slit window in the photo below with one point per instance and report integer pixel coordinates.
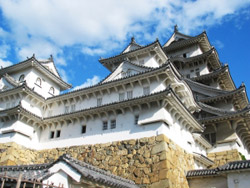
(99, 101)
(121, 96)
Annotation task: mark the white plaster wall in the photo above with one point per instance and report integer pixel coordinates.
(149, 61)
(107, 98)
(208, 182)
(58, 178)
(238, 180)
(191, 51)
(45, 86)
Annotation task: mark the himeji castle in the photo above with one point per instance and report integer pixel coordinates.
(166, 116)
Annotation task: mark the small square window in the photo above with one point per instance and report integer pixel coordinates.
(58, 133)
(84, 129)
(52, 134)
(104, 125)
(113, 124)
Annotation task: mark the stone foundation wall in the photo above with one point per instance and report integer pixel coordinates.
(152, 162)
(221, 158)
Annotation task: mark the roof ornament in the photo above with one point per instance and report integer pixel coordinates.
(33, 55)
(51, 57)
(176, 28)
(132, 40)
(242, 84)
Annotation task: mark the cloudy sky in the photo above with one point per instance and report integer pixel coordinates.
(78, 32)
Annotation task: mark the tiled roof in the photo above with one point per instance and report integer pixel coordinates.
(231, 166)
(41, 171)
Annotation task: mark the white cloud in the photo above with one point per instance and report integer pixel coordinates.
(218, 44)
(46, 27)
(4, 63)
(89, 82)
(4, 50)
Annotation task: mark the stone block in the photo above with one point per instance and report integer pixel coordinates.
(160, 184)
(162, 146)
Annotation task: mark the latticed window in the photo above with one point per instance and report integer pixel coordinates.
(130, 94)
(99, 101)
(104, 125)
(113, 124)
(211, 137)
(66, 109)
(146, 90)
(121, 96)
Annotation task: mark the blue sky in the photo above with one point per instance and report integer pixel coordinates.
(78, 32)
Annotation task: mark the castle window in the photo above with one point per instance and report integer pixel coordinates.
(121, 96)
(99, 101)
(188, 76)
(39, 82)
(184, 55)
(113, 124)
(52, 134)
(7, 105)
(58, 133)
(73, 107)
(52, 90)
(197, 73)
(211, 137)
(141, 62)
(84, 129)
(146, 90)
(21, 78)
(50, 113)
(129, 94)
(66, 109)
(104, 125)
(136, 119)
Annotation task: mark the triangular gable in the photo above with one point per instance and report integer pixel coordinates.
(62, 166)
(49, 64)
(176, 36)
(132, 46)
(125, 69)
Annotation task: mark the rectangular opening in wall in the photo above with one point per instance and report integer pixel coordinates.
(83, 129)
(52, 134)
(66, 109)
(188, 76)
(104, 125)
(129, 94)
(184, 55)
(121, 96)
(136, 119)
(211, 137)
(113, 124)
(146, 90)
(99, 101)
(58, 133)
(73, 107)
(141, 62)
